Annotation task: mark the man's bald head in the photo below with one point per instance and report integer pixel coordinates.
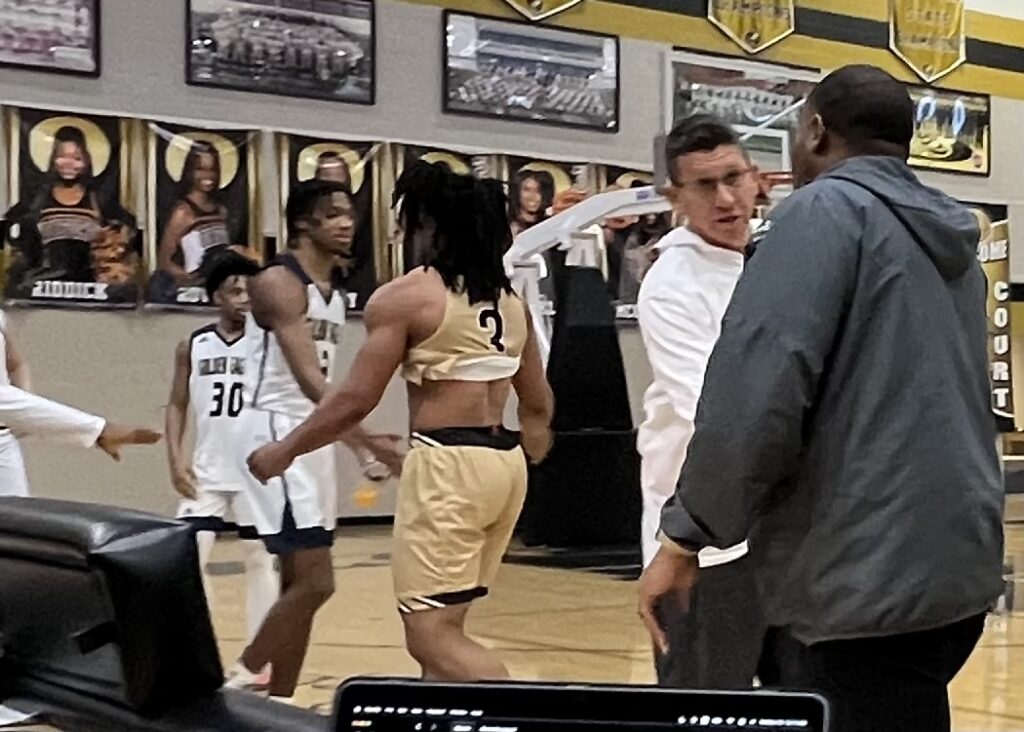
(856, 110)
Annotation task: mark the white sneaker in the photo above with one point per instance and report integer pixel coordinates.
(289, 700)
(239, 677)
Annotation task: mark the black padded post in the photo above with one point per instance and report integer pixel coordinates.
(587, 493)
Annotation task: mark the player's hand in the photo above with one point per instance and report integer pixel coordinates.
(669, 578)
(184, 480)
(115, 436)
(387, 450)
(268, 462)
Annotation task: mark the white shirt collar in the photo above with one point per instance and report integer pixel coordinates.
(684, 237)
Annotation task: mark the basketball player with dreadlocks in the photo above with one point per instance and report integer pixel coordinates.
(463, 340)
(292, 330)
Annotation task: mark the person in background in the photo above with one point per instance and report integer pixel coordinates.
(532, 194)
(331, 166)
(846, 426)
(712, 186)
(209, 371)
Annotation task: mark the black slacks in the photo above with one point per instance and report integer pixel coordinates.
(887, 684)
(718, 642)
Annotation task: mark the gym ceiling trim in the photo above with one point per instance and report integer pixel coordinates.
(829, 34)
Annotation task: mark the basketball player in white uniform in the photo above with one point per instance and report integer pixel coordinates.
(292, 333)
(23, 414)
(208, 375)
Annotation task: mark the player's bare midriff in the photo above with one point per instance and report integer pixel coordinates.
(440, 404)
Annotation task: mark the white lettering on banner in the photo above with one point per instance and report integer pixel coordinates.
(1000, 371)
(1001, 344)
(70, 290)
(1001, 291)
(1001, 317)
(1001, 395)
(994, 255)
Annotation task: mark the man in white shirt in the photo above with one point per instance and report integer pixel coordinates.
(713, 187)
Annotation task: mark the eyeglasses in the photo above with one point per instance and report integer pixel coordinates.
(708, 187)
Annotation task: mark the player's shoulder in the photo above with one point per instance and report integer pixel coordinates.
(405, 296)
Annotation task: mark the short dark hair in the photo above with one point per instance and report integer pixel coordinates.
(867, 108)
(304, 198)
(227, 265)
(697, 133)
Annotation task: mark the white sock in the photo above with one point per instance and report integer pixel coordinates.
(262, 584)
(204, 542)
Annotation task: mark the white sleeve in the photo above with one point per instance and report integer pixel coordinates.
(29, 415)
(679, 334)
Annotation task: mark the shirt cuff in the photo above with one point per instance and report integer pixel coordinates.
(677, 547)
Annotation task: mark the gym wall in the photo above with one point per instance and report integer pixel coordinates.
(120, 363)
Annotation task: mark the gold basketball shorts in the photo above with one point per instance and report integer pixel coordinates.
(458, 502)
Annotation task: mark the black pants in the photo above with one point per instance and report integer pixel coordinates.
(893, 684)
(717, 644)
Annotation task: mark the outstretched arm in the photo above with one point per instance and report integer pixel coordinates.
(350, 402)
(17, 365)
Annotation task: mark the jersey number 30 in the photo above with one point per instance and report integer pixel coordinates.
(233, 401)
(491, 321)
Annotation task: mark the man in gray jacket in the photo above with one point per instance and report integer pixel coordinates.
(845, 426)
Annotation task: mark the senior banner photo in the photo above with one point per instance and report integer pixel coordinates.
(202, 194)
(357, 165)
(952, 131)
(71, 230)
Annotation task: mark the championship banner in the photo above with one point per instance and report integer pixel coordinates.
(538, 10)
(994, 255)
(929, 36)
(203, 201)
(480, 166)
(952, 131)
(72, 234)
(629, 241)
(753, 26)
(358, 165)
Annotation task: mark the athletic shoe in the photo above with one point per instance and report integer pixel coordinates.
(239, 677)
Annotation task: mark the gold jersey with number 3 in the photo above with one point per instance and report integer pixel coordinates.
(480, 342)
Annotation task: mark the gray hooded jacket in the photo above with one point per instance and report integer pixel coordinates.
(845, 423)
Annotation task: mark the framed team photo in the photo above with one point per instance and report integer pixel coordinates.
(478, 165)
(358, 165)
(71, 234)
(952, 131)
(530, 73)
(60, 36)
(203, 200)
(321, 49)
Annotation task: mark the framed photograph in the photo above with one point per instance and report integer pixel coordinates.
(61, 36)
(320, 49)
(356, 164)
(952, 131)
(203, 200)
(72, 236)
(530, 73)
(754, 97)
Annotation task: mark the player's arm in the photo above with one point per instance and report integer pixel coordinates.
(174, 423)
(17, 364)
(346, 405)
(279, 305)
(536, 401)
(176, 228)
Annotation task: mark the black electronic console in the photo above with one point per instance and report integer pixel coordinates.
(395, 705)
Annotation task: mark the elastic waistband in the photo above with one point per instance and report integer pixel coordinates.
(496, 438)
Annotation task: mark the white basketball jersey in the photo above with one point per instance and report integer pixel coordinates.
(270, 385)
(216, 387)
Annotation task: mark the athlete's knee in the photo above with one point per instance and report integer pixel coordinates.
(316, 589)
(427, 634)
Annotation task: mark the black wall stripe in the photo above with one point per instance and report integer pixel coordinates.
(847, 29)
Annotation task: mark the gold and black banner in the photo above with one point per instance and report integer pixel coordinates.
(929, 36)
(994, 255)
(538, 10)
(753, 25)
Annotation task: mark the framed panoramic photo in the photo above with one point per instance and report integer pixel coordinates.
(61, 36)
(530, 73)
(952, 131)
(320, 49)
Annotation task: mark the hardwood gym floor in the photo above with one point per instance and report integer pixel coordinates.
(555, 624)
